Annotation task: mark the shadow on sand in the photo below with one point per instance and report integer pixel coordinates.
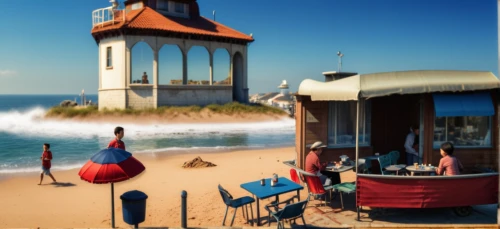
(62, 184)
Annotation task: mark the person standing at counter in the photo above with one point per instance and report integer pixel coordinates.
(411, 144)
(448, 165)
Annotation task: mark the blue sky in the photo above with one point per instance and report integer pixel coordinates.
(46, 46)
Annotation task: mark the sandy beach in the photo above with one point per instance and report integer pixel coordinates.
(76, 203)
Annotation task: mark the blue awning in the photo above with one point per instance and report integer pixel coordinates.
(450, 105)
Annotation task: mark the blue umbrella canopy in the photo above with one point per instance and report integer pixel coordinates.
(110, 156)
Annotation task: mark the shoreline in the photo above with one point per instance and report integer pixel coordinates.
(77, 203)
(153, 155)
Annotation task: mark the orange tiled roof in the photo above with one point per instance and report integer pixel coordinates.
(147, 18)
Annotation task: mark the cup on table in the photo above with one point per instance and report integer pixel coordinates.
(416, 165)
(263, 182)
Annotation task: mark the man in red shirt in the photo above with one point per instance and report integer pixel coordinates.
(46, 157)
(313, 164)
(117, 142)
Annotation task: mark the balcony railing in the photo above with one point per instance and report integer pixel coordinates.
(107, 15)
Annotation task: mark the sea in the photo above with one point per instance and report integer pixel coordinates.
(23, 132)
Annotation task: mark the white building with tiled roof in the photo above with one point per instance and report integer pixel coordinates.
(159, 23)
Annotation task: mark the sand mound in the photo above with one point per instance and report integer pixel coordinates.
(198, 163)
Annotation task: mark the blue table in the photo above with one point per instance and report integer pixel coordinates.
(284, 185)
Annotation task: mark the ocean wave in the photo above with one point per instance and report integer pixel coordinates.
(199, 149)
(38, 169)
(30, 123)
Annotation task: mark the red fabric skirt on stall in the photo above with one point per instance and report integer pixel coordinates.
(426, 192)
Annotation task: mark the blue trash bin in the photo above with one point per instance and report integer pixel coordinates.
(134, 207)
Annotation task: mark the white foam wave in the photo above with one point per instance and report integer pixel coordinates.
(199, 149)
(39, 169)
(31, 123)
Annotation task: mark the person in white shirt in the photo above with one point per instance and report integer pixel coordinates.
(411, 146)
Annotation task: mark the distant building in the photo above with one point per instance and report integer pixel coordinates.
(264, 97)
(159, 23)
(283, 99)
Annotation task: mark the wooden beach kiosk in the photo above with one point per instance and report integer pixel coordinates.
(457, 106)
(363, 114)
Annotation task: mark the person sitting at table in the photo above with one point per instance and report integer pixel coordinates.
(313, 164)
(145, 78)
(449, 165)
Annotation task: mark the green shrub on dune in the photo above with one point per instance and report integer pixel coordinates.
(228, 109)
(236, 108)
(72, 111)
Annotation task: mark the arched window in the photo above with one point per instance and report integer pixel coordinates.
(198, 66)
(170, 65)
(221, 67)
(142, 64)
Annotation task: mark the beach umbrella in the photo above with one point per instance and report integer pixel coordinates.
(111, 165)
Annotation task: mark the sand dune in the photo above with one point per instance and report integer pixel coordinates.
(200, 117)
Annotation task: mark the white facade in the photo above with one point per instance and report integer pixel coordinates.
(112, 77)
(117, 91)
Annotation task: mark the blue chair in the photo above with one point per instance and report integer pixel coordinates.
(394, 157)
(384, 161)
(289, 212)
(240, 202)
(347, 187)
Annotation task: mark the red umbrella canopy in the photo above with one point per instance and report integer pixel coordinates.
(110, 165)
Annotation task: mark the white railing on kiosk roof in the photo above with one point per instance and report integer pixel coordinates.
(107, 15)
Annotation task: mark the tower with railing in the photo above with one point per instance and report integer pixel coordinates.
(158, 23)
(283, 87)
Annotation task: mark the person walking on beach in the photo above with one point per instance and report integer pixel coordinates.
(46, 158)
(117, 141)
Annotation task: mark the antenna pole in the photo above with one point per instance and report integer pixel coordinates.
(340, 59)
(214, 14)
